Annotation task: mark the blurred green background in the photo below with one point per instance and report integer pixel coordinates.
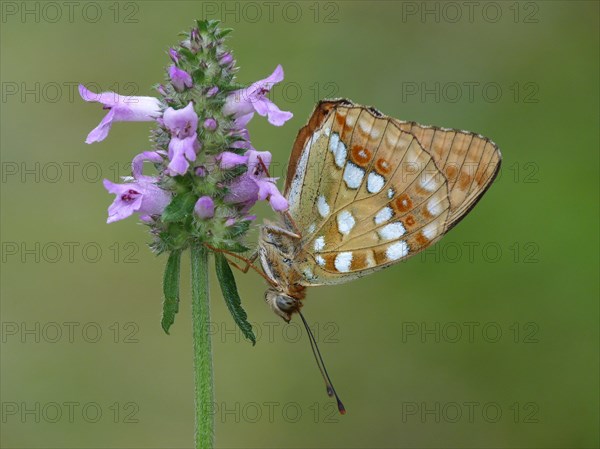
(488, 340)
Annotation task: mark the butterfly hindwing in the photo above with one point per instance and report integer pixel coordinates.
(366, 193)
(469, 161)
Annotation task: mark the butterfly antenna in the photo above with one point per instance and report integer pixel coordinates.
(319, 359)
(312, 347)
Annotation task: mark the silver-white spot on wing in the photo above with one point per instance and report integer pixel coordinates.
(397, 250)
(353, 175)
(338, 148)
(430, 231)
(375, 182)
(367, 127)
(322, 206)
(308, 274)
(434, 207)
(345, 222)
(343, 261)
(383, 215)
(430, 181)
(319, 243)
(392, 231)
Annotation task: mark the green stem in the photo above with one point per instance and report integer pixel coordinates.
(203, 369)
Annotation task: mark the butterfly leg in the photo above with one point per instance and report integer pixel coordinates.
(249, 261)
(290, 220)
(281, 231)
(232, 263)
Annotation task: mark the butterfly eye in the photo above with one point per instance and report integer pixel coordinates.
(285, 303)
(281, 304)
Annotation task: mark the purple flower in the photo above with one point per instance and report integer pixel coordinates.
(243, 191)
(205, 207)
(212, 91)
(137, 165)
(228, 160)
(233, 220)
(251, 158)
(267, 190)
(242, 144)
(183, 125)
(252, 186)
(121, 109)
(181, 122)
(258, 161)
(174, 55)
(179, 78)
(141, 196)
(240, 123)
(244, 140)
(210, 124)
(226, 59)
(180, 152)
(239, 130)
(244, 102)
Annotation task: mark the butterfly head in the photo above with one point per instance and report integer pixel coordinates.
(283, 305)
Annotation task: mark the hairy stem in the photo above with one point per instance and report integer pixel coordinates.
(203, 368)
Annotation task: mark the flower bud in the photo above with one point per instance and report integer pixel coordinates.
(179, 78)
(212, 91)
(205, 207)
(210, 124)
(226, 59)
(174, 55)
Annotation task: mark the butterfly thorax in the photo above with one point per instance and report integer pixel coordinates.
(278, 252)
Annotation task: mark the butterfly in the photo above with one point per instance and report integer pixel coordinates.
(367, 191)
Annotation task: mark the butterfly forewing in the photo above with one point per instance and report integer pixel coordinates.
(367, 193)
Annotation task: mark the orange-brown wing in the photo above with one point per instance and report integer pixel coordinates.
(365, 194)
(469, 161)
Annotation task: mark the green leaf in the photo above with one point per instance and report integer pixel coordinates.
(179, 208)
(187, 54)
(232, 298)
(224, 32)
(238, 229)
(171, 290)
(198, 76)
(202, 25)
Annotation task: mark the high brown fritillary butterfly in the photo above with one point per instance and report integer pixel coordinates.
(365, 192)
